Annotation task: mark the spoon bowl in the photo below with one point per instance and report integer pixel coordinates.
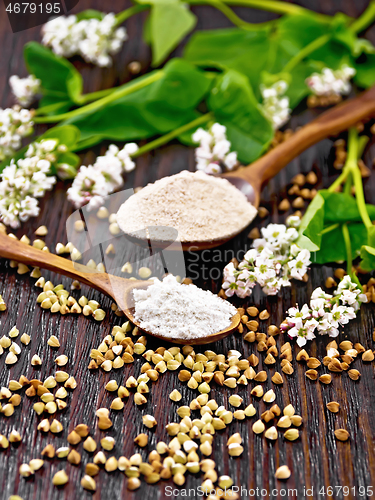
(119, 289)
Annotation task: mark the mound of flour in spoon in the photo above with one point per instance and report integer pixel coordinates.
(199, 206)
(173, 310)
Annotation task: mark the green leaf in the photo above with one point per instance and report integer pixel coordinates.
(368, 258)
(60, 79)
(365, 67)
(333, 244)
(368, 251)
(298, 30)
(154, 110)
(65, 134)
(247, 129)
(341, 207)
(297, 89)
(231, 48)
(183, 86)
(90, 14)
(70, 158)
(170, 22)
(324, 212)
(312, 224)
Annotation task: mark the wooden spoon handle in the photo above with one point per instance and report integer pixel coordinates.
(331, 122)
(16, 250)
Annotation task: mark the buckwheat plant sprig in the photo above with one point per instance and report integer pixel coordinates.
(24, 89)
(15, 124)
(24, 181)
(94, 182)
(93, 39)
(331, 82)
(326, 313)
(275, 103)
(272, 262)
(213, 153)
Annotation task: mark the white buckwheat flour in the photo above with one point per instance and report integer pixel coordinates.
(201, 207)
(170, 309)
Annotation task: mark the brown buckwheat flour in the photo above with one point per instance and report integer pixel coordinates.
(199, 206)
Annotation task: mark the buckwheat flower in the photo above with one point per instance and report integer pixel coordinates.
(331, 82)
(94, 183)
(123, 155)
(62, 34)
(303, 331)
(20, 185)
(298, 266)
(293, 221)
(24, 181)
(325, 314)
(318, 308)
(89, 187)
(24, 89)
(249, 256)
(15, 124)
(101, 39)
(96, 40)
(271, 263)
(275, 105)
(297, 314)
(213, 154)
(319, 293)
(349, 293)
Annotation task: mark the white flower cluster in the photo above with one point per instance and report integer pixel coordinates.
(15, 123)
(326, 313)
(275, 105)
(25, 181)
(213, 152)
(93, 39)
(330, 82)
(94, 182)
(24, 89)
(272, 262)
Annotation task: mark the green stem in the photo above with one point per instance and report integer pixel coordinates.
(348, 184)
(93, 96)
(365, 19)
(160, 141)
(306, 51)
(352, 166)
(268, 5)
(340, 179)
(125, 14)
(348, 247)
(50, 108)
(122, 91)
(351, 174)
(360, 197)
(330, 228)
(351, 160)
(232, 16)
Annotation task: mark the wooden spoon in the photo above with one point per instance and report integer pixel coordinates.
(119, 289)
(251, 179)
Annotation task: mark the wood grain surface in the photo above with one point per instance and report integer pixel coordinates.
(317, 460)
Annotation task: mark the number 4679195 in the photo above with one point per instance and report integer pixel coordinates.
(33, 8)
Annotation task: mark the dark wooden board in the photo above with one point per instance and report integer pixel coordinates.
(317, 460)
